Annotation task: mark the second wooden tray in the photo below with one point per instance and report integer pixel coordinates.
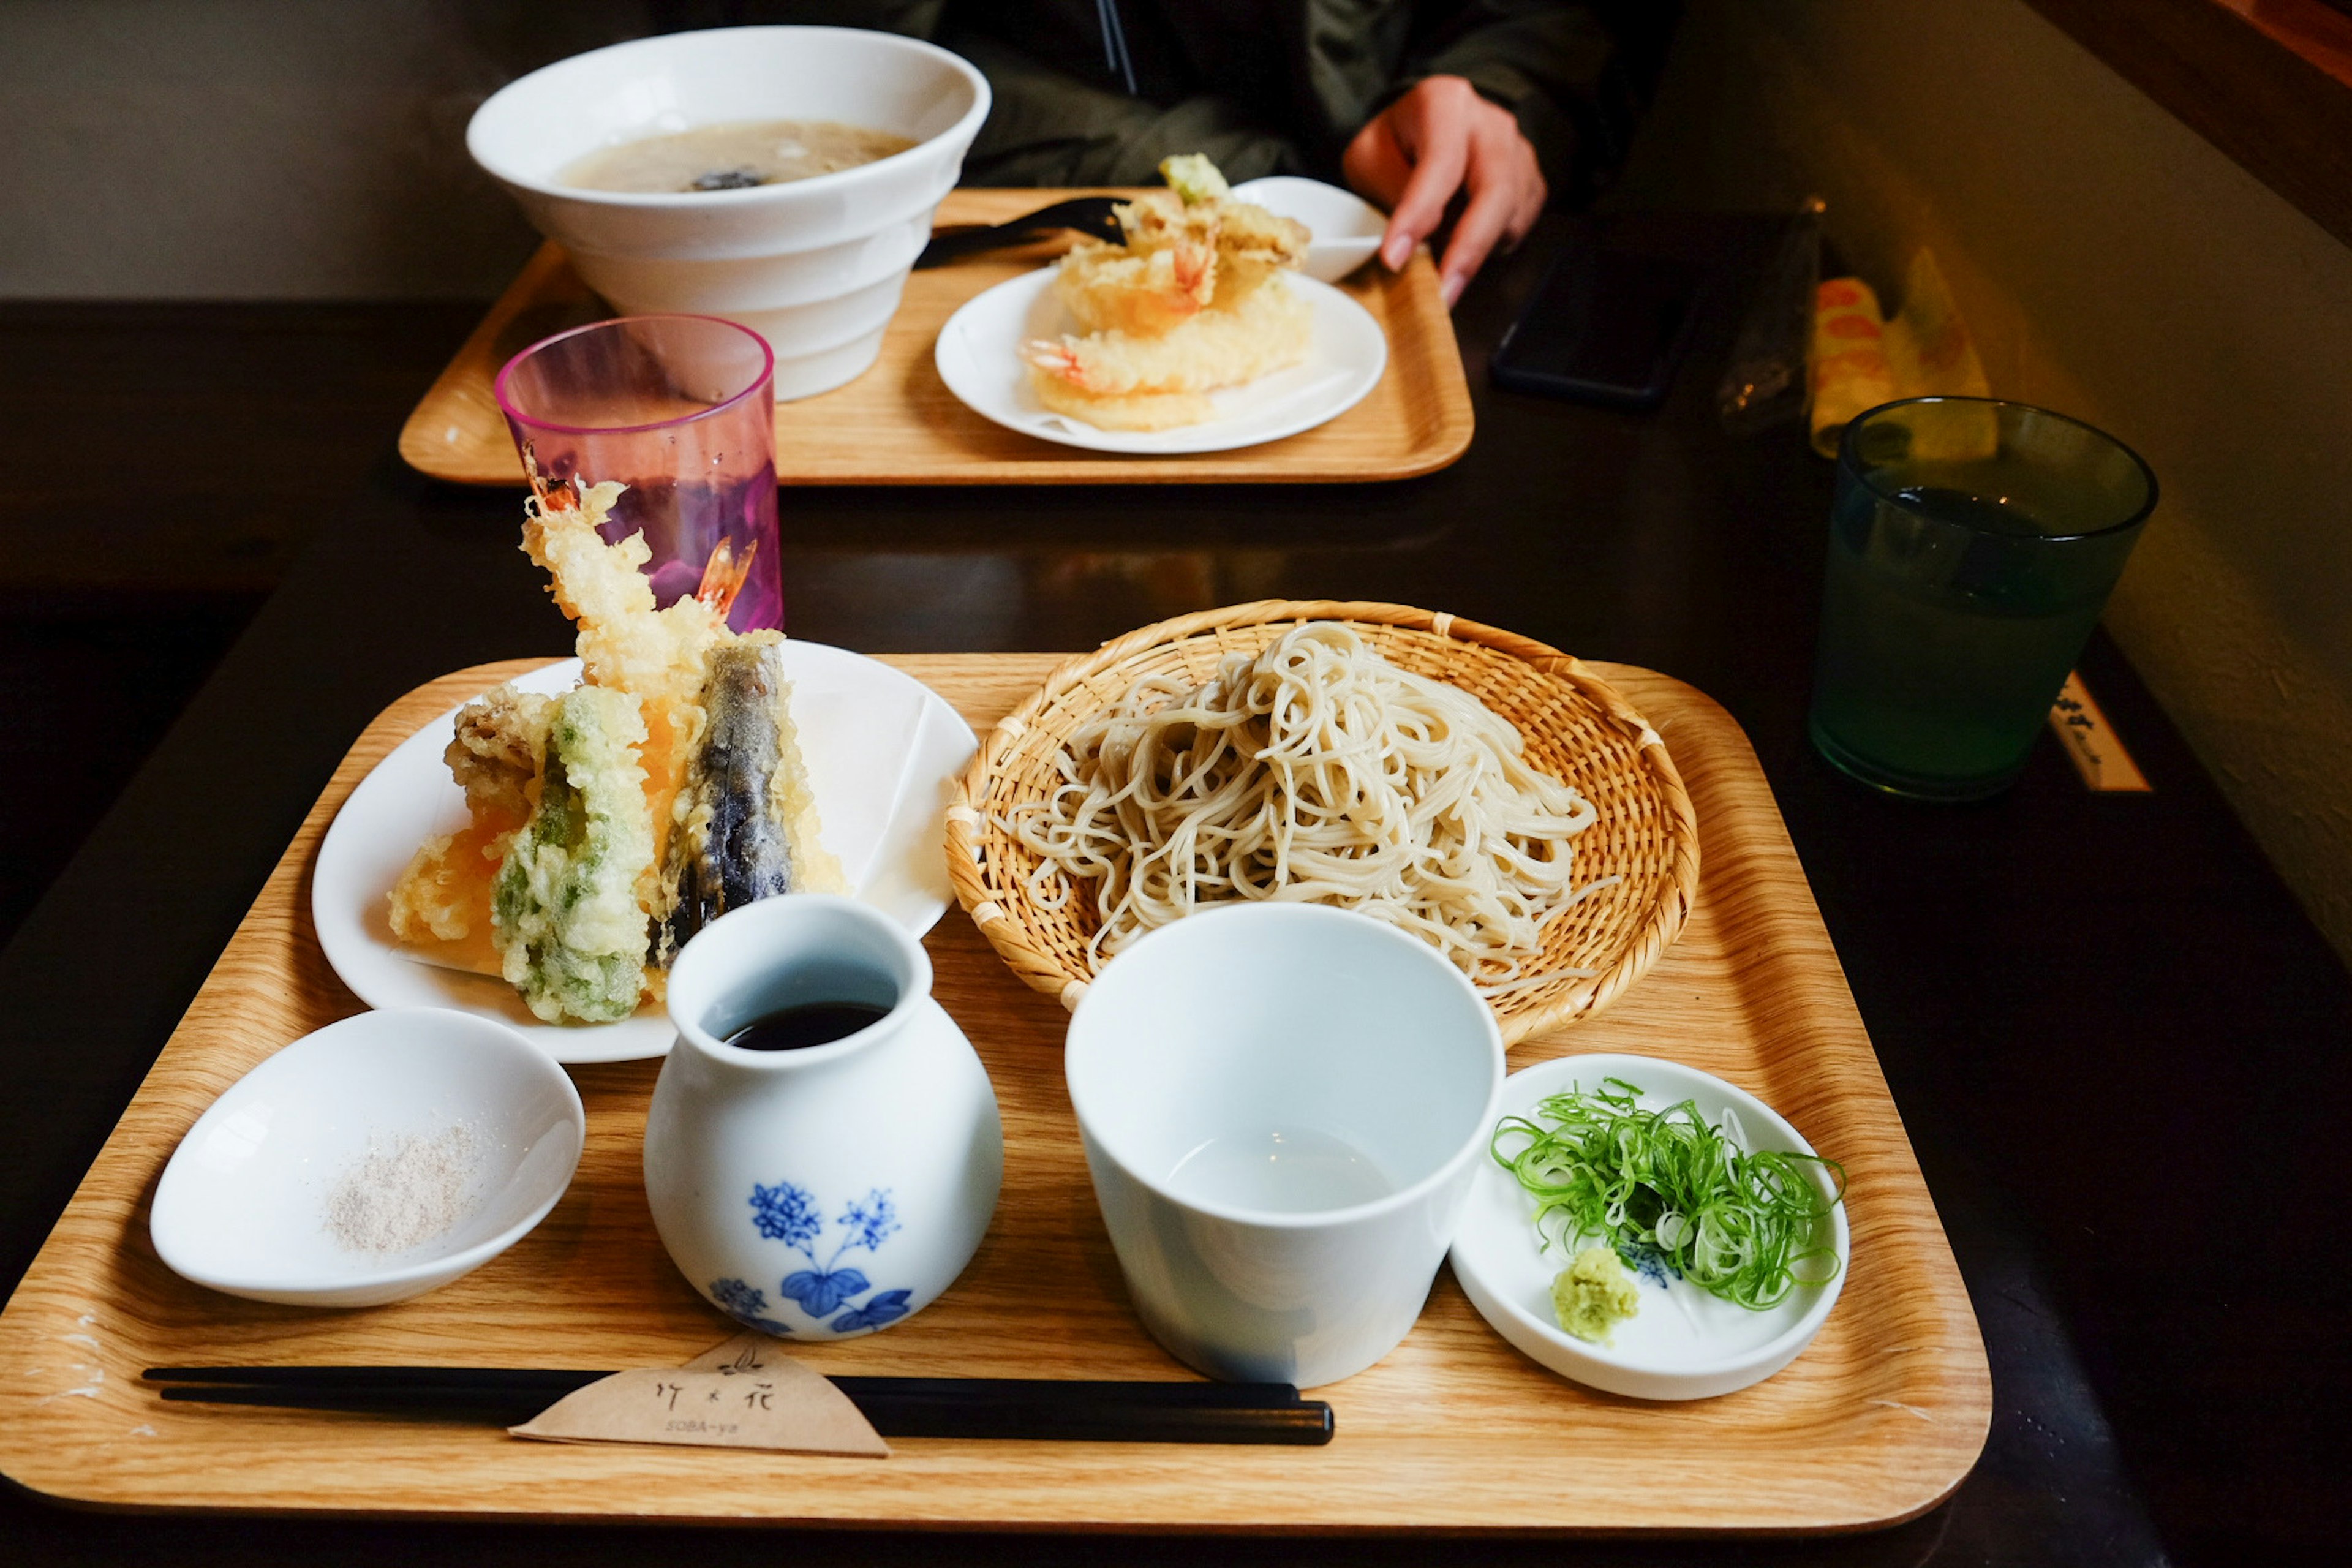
(1877, 1420)
(898, 425)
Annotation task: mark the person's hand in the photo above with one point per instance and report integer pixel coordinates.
(1438, 138)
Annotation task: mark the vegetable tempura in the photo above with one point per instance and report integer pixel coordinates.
(665, 789)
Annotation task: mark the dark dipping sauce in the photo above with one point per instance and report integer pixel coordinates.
(810, 1024)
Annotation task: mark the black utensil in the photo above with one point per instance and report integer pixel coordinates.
(1087, 214)
(1030, 1409)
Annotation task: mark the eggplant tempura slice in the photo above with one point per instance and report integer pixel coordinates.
(565, 914)
(746, 823)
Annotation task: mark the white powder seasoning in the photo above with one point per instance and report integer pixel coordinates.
(405, 1192)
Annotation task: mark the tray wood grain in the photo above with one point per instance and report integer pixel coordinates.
(1454, 1431)
(900, 424)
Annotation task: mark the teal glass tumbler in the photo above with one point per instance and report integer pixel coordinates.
(1972, 546)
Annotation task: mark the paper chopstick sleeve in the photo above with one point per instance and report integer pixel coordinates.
(775, 1403)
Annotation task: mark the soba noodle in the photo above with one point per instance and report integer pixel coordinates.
(1316, 772)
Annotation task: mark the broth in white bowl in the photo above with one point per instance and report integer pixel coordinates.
(732, 157)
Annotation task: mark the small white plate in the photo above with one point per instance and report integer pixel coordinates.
(979, 356)
(244, 1205)
(1684, 1343)
(883, 754)
(1346, 228)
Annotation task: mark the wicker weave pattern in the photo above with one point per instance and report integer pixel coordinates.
(1576, 729)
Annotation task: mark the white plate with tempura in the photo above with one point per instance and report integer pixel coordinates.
(539, 855)
(1196, 334)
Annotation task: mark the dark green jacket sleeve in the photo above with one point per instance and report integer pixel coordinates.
(1577, 77)
(1269, 86)
(1049, 128)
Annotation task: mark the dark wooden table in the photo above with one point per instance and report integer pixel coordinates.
(2119, 1047)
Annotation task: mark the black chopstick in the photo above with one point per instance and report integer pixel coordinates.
(1034, 1408)
(553, 1381)
(503, 1407)
(1306, 1424)
(557, 1382)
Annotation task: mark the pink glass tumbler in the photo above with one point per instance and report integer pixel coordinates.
(681, 409)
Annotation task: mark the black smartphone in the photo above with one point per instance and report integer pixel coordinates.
(1607, 326)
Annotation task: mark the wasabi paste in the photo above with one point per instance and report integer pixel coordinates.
(1594, 1294)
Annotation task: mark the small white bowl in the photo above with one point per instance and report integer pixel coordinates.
(814, 266)
(245, 1204)
(1684, 1343)
(1283, 1106)
(1347, 228)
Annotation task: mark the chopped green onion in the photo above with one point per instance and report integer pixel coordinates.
(1668, 1185)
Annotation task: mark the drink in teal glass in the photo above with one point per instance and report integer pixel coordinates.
(1973, 545)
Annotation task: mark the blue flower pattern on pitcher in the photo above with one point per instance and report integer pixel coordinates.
(747, 1304)
(887, 1308)
(787, 1213)
(791, 1215)
(819, 1292)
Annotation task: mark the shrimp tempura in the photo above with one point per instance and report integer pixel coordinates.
(1192, 302)
(655, 656)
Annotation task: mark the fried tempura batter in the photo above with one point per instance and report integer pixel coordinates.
(560, 878)
(624, 642)
(1220, 348)
(495, 756)
(565, 915)
(1193, 301)
(442, 902)
(1109, 289)
(1247, 243)
(655, 655)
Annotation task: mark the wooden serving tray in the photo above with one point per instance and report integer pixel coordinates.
(900, 424)
(1455, 1430)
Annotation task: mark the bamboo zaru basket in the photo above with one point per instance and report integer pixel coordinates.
(1576, 727)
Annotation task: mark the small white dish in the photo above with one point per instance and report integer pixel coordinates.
(979, 356)
(1684, 1343)
(883, 754)
(1347, 228)
(1282, 1107)
(252, 1198)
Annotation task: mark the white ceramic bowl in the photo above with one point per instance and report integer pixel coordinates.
(814, 266)
(1283, 1106)
(1347, 228)
(244, 1205)
(1684, 1343)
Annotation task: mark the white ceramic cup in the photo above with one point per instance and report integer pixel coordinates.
(1282, 1106)
(814, 266)
(835, 1189)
